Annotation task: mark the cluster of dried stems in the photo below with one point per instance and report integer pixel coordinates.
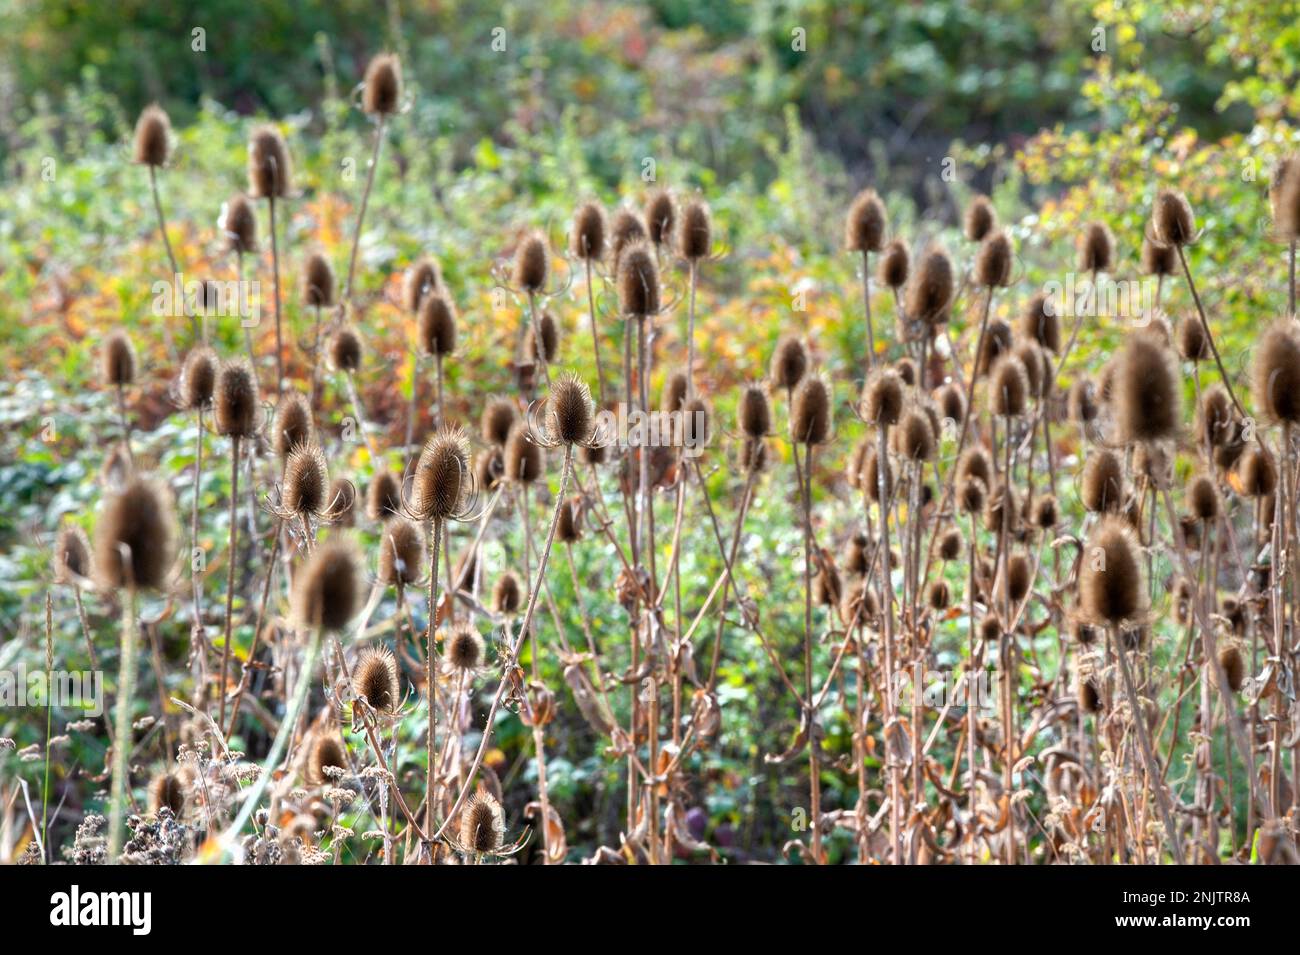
(940, 539)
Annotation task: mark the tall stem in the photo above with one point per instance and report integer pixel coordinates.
(122, 735)
(275, 277)
(230, 576)
(361, 214)
(431, 684)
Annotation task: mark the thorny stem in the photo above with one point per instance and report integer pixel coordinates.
(275, 275)
(230, 577)
(431, 685)
(361, 214)
(122, 735)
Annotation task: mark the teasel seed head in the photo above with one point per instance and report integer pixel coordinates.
(789, 363)
(695, 232)
(1040, 322)
(1171, 220)
(638, 281)
(293, 423)
(853, 556)
(979, 220)
(864, 228)
(1234, 667)
(827, 586)
(882, 398)
(1008, 387)
(239, 225)
(695, 431)
(587, 241)
(524, 459)
(1081, 404)
(755, 412)
(306, 481)
(752, 455)
(442, 476)
(1089, 696)
(929, 295)
(660, 216)
(1214, 420)
(971, 495)
(489, 467)
(1102, 487)
(346, 350)
(507, 594)
(140, 519)
(568, 527)
(437, 325)
(1038, 367)
(673, 395)
(974, 462)
(327, 753)
(1256, 473)
(198, 378)
(383, 85)
(482, 824)
(402, 552)
(1112, 588)
(990, 628)
(993, 260)
(1203, 498)
(1284, 197)
(153, 133)
(950, 544)
(870, 479)
(167, 789)
(1192, 344)
(895, 265)
(570, 412)
(463, 647)
(914, 436)
(626, 230)
(375, 678)
(499, 416)
(1148, 391)
(117, 359)
(327, 589)
(1003, 505)
(951, 401)
(1158, 258)
(938, 595)
(236, 399)
(269, 171)
(997, 342)
(1275, 372)
(1046, 513)
(1096, 247)
(532, 263)
(422, 277)
(810, 411)
(383, 496)
(550, 334)
(342, 502)
(1020, 577)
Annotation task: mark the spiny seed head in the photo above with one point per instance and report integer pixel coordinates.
(306, 481)
(482, 824)
(239, 224)
(293, 423)
(752, 455)
(167, 789)
(153, 133)
(570, 412)
(997, 342)
(317, 281)
(882, 398)
(1040, 322)
(1112, 590)
(422, 277)
(660, 215)
(1081, 404)
(327, 753)
(1102, 487)
(1171, 219)
(990, 627)
(1284, 196)
(442, 475)
(532, 262)
(906, 369)
(1089, 696)
(1275, 372)
(951, 401)
(1096, 247)
(383, 85)
(1002, 506)
(237, 400)
(1202, 498)
(524, 459)
(914, 436)
(342, 502)
(1009, 387)
(568, 526)
(864, 228)
(375, 678)
(549, 329)
(346, 350)
(980, 219)
(587, 241)
(754, 412)
(437, 325)
(673, 395)
(269, 171)
(383, 496)
(895, 264)
(118, 359)
(1256, 473)
(938, 595)
(508, 594)
(464, 647)
(71, 554)
(695, 423)
(1215, 417)
(327, 590)
(401, 552)
(871, 475)
(1234, 667)
(198, 378)
(810, 411)
(789, 363)
(1045, 513)
(1158, 258)
(993, 260)
(854, 555)
(499, 416)
(1038, 367)
(1191, 340)
(489, 467)
(930, 294)
(1020, 576)
(950, 544)
(974, 462)
(135, 537)
(1148, 391)
(827, 585)
(626, 230)
(638, 281)
(695, 232)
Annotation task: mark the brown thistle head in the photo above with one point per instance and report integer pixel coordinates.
(587, 241)
(1040, 322)
(422, 277)
(437, 325)
(993, 260)
(532, 263)
(1112, 588)
(292, 425)
(482, 824)
(382, 95)
(979, 220)
(810, 411)
(1147, 391)
(499, 416)
(638, 281)
(442, 476)
(754, 412)
(1275, 372)
(402, 552)
(117, 359)
(570, 412)
(198, 378)
(327, 590)
(930, 293)
(882, 398)
(383, 496)
(895, 265)
(153, 134)
(317, 281)
(135, 537)
(375, 678)
(507, 594)
(346, 350)
(1172, 221)
(789, 363)
(525, 462)
(306, 481)
(239, 225)
(1102, 486)
(1096, 248)
(270, 173)
(660, 216)
(695, 231)
(463, 647)
(237, 400)
(71, 554)
(864, 227)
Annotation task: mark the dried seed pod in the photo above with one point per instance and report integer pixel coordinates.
(905, 368)
(489, 467)
(895, 265)
(532, 263)
(499, 416)
(383, 496)
(1275, 372)
(508, 594)
(1003, 503)
(587, 241)
(326, 760)
(638, 281)
(135, 537)
(1008, 387)
(1102, 485)
(673, 395)
(463, 647)
(270, 173)
(327, 589)
(979, 220)
(1158, 259)
(382, 94)
(305, 490)
(153, 134)
(974, 463)
(938, 595)
(853, 556)
(827, 586)
(990, 628)
(864, 227)
(402, 552)
(1256, 473)
(71, 555)
(1045, 513)
(755, 413)
(317, 281)
(437, 325)
(930, 294)
(375, 678)
(1039, 322)
(292, 423)
(442, 476)
(789, 363)
(1193, 345)
(626, 230)
(951, 401)
(1148, 392)
(993, 261)
(914, 436)
(810, 411)
(1203, 498)
(1112, 587)
(1089, 697)
(198, 378)
(482, 824)
(1172, 220)
(1081, 403)
(117, 359)
(167, 790)
(1020, 577)
(422, 277)
(342, 502)
(1096, 247)
(1215, 417)
(549, 330)
(568, 527)
(695, 233)
(950, 544)
(882, 398)
(570, 412)
(971, 493)
(346, 350)
(660, 215)
(524, 459)
(239, 224)
(1234, 667)
(237, 400)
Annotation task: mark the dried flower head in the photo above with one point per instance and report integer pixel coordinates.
(383, 496)
(754, 412)
(153, 133)
(1158, 258)
(1040, 322)
(117, 359)
(292, 425)
(1102, 486)
(270, 173)
(135, 537)
(346, 349)
(1147, 391)
(383, 85)
(375, 679)
(979, 220)
(326, 590)
(442, 480)
(532, 262)
(71, 554)
(306, 482)
(237, 400)
(810, 411)
(548, 329)
(317, 281)
(864, 227)
(198, 378)
(422, 277)
(1172, 220)
(895, 265)
(508, 594)
(570, 412)
(482, 824)
(239, 224)
(499, 416)
(587, 241)
(993, 260)
(789, 363)
(326, 759)
(1275, 372)
(695, 231)
(402, 552)
(1008, 387)
(1096, 247)
(463, 647)
(930, 294)
(525, 462)
(638, 281)
(437, 325)
(167, 789)
(1112, 587)
(882, 398)
(660, 216)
